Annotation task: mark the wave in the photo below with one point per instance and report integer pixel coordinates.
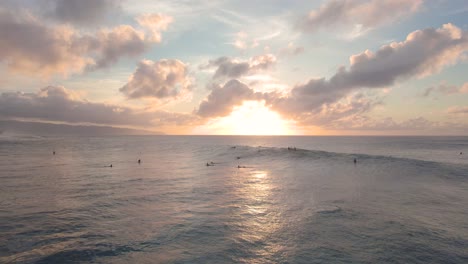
(274, 154)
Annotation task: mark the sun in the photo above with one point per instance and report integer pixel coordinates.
(250, 118)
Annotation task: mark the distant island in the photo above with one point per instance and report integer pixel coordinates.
(40, 128)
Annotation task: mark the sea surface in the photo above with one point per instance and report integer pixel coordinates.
(404, 201)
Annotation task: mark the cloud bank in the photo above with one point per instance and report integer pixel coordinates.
(58, 104)
(347, 96)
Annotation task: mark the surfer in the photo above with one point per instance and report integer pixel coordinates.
(53, 152)
(139, 161)
(355, 160)
(461, 153)
(110, 166)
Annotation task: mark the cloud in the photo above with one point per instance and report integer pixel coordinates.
(222, 99)
(411, 126)
(161, 79)
(155, 23)
(82, 12)
(364, 13)
(446, 89)
(346, 109)
(58, 104)
(458, 110)
(35, 48)
(424, 52)
(291, 50)
(233, 68)
(121, 41)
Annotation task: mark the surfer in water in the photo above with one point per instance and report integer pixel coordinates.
(53, 152)
(139, 161)
(355, 161)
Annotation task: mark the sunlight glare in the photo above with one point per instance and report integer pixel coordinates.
(252, 118)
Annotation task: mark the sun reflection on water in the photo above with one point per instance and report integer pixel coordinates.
(261, 218)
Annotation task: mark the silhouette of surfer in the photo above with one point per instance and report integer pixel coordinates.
(139, 161)
(53, 152)
(355, 161)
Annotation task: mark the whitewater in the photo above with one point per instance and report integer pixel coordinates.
(262, 199)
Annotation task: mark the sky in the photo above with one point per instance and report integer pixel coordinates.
(258, 67)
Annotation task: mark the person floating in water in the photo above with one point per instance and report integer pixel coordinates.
(139, 161)
(355, 161)
(461, 153)
(110, 165)
(53, 152)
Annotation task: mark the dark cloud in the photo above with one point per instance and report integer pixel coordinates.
(232, 68)
(367, 13)
(423, 52)
(121, 41)
(83, 12)
(221, 100)
(35, 48)
(58, 104)
(161, 79)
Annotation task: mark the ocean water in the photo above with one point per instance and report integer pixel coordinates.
(405, 201)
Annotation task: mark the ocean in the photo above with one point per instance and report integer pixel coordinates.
(405, 200)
